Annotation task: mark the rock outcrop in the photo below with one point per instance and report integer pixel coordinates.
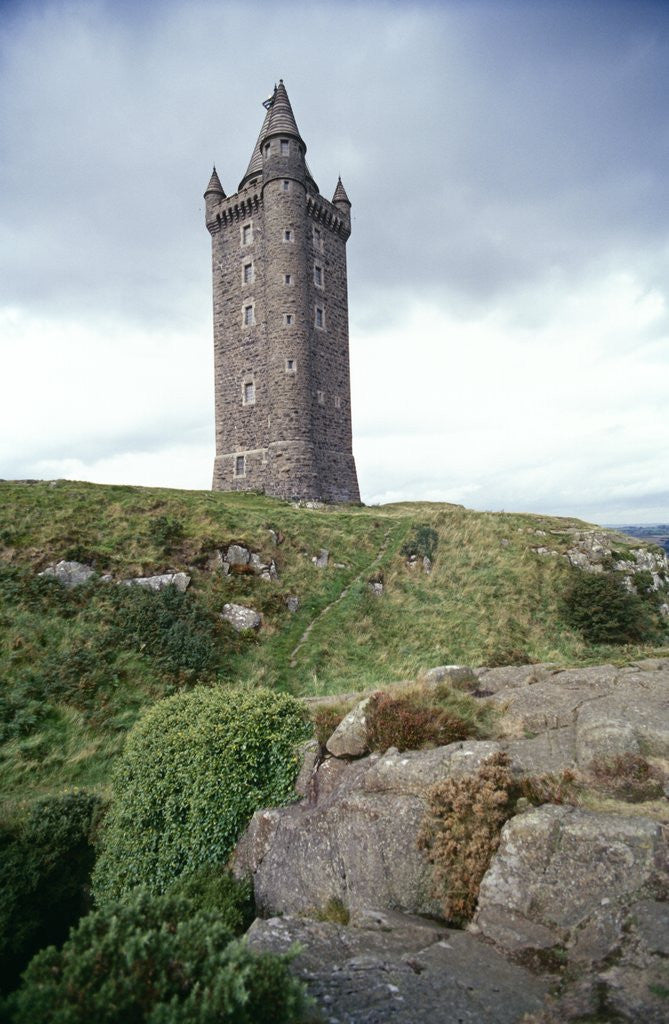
(574, 897)
(70, 574)
(240, 617)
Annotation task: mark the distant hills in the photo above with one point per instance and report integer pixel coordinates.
(655, 533)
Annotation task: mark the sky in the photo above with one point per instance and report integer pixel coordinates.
(508, 264)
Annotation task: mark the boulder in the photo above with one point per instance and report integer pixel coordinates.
(241, 617)
(350, 737)
(389, 968)
(292, 603)
(179, 580)
(70, 574)
(321, 559)
(237, 555)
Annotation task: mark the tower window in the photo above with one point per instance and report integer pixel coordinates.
(249, 318)
(288, 278)
(288, 235)
(247, 234)
(248, 273)
(320, 317)
(267, 148)
(337, 402)
(318, 238)
(240, 465)
(321, 397)
(291, 366)
(286, 185)
(249, 392)
(318, 276)
(285, 147)
(288, 319)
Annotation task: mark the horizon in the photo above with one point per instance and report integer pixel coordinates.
(508, 263)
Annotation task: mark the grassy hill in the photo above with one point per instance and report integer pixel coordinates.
(78, 665)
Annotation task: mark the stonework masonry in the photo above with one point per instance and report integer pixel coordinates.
(281, 355)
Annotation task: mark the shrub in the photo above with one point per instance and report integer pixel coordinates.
(422, 543)
(195, 768)
(45, 867)
(626, 777)
(407, 723)
(603, 611)
(166, 532)
(212, 889)
(156, 959)
(168, 626)
(462, 830)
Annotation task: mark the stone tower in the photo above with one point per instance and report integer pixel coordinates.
(283, 397)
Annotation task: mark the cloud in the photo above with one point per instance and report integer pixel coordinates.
(509, 259)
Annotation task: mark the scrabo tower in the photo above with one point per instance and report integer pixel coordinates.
(283, 399)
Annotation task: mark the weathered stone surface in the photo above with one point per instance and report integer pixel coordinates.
(321, 559)
(241, 617)
(236, 554)
(179, 580)
(350, 737)
(611, 710)
(388, 968)
(460, 676)
(292, 603)
(70, 574)
(562, 870)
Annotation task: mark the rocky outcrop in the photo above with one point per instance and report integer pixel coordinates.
(70, 574)
(586, 890)
(237, 558)
(595, 551)
(179, 580)
(387, 968)
(574, 897)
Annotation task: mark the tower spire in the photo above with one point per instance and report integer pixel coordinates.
(282, 119)
(214, 187)
(255, 163)
(340, 197)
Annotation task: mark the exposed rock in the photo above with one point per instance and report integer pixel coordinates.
(241, 617)
(321, 559)
(589, 889)
(70, 574)
(611, 710)
(350, 737)
(376, 588)
(236, 554)
(179, 580)
(292, 602)
(461, 677)
(427, 565)
(309, 754)
(388, 968)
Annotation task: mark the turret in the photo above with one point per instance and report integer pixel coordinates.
(213, 194)
(340, 199)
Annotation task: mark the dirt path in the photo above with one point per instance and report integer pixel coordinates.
(305, 636)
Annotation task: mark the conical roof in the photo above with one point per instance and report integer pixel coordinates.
(214, 184)
(255, 163)
(340, 194)
(281, 117)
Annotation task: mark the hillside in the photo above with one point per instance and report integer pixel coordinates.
(79, 663)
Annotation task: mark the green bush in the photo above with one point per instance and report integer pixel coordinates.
(166, 532)
(422, 543)
(160, 960)
(169, 626)
(45, 866)
(213, 889)
(603, 611)
(195, 768)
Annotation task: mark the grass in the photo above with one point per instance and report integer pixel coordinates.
(78, 666)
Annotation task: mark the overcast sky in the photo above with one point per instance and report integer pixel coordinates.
(508, 267)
